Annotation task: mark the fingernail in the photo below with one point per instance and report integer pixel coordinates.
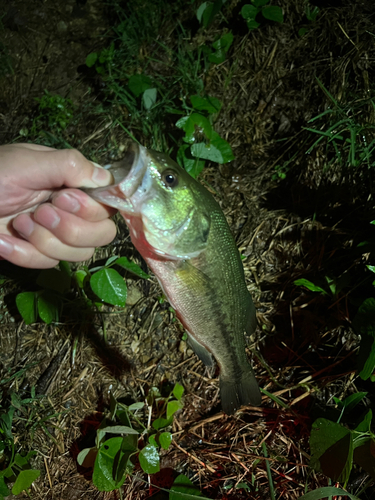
(24, 225)
(6, 248)
(100, 176)
(47, 216)
(67, 202)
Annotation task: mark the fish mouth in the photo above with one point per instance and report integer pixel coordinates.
(128, 174)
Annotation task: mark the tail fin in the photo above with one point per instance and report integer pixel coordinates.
(243, 391)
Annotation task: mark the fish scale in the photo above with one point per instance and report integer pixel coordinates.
(182, 233)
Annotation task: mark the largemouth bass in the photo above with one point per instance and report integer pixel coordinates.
(181, 232)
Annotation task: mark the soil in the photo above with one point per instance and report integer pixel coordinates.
(307, 225)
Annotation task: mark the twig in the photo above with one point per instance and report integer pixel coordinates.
(194, 458)
(97, 132)
(47, 469)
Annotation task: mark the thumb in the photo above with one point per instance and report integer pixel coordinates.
(52, 168)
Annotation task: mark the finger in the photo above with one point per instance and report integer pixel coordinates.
(52, 168)
(79, 203)
(24, 254)
(34, 147)
(47, 243)
(70, 229)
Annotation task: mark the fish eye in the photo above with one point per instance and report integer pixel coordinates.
(169, 178)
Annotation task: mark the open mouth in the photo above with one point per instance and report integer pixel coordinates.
(127, 174)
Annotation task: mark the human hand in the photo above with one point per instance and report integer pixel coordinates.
(36, 234)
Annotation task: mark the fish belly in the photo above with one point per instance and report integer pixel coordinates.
(214, 329)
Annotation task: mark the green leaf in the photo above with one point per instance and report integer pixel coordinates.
(149, 97)
(4, 490)
(207, 13)
(372, 268)
(91, 59)
(217, 57)
(310, 286)
(26, 305)
(351, 401)
(364, 325)
(364, 455)
(24, 480)
(53, 279)
(183, 486)
(244, 486)
(249, 12)
(80, 275)
(152, 440)
(193, 166)
(178, 391)
(119, 429)
(109, 455)
(218, 150)
(23, 461)
(181, 123)
(206, 151)
(365, 425)
(87, 457)
(160, 422)
(312, 14)
(149, 459)
(132, 267)
(48, 307)
(273, 13)
(194, 123)
(326, 492)
(128, 448)
(109, 286)
(139, 83)
(223, 146)
(6, 423)
(110, 260)
(200, 10)
(136, 406)
(65, 267)
(251, 24)
(224, 42)
(165, 440)
(210, 104)
(331, 447)
(172, 407)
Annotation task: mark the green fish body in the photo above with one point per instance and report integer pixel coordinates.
(182, 233)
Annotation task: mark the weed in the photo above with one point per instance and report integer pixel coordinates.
(334, 447)
(55, 113)
(207, 11)
(258, 11)
(15, 467)
(150, 102)
(57, 286)
(311, 14)
(348, 139)
(139, 432)
(202, 142)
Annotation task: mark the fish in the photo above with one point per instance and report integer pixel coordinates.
(182, 234)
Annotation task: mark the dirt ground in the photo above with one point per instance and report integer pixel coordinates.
(307, 225)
